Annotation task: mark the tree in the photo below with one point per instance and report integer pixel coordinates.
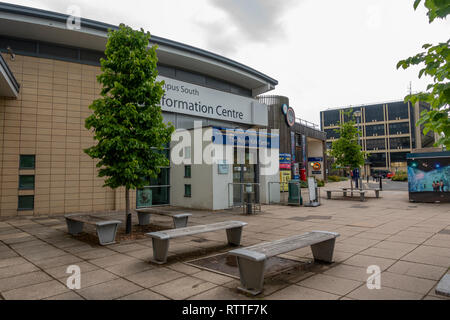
(127, 119)
(436, 60)
(346, 150)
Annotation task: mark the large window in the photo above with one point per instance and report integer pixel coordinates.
(374, 113)
(351, 116)
(26, 182)
(331, 118)
(331, 134)
(399, 143)
(375, 144)
(157, 190)
(377, 160)
(398, 156)
(375, 130)
(398, 128)
(397, 111)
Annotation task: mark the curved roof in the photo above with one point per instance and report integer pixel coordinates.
(50, 26)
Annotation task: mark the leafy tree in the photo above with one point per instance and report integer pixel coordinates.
(436, 60)
(346, 150)
(127, 119)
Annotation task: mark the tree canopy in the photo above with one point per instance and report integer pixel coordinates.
(436, 61)
(346, 150)
(127, 120)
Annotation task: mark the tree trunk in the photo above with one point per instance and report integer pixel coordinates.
(127, 211)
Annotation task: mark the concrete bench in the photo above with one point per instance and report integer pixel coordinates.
(160, 239)
(376, 190)
(106, 228)
(344, 192)
(179, 219)
(251, 260)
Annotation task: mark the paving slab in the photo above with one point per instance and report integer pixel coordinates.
(109, 290)
(36, 292)
(183, 288)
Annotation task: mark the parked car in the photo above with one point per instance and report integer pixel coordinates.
(381, 173)
(390, 175)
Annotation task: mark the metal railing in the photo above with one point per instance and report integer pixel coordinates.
(307, 123)
(243, 189)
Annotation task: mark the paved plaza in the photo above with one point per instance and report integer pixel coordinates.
(410, 242)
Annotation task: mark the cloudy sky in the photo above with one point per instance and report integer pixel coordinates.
(324, 54)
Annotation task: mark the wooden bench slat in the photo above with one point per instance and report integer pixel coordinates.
(181, 232)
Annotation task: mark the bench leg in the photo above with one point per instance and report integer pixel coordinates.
(144, 218)
(74, 227)
(323, 251)
(361, 197)
(377, 193)
(234, 236)
(107, 233)
(180, 222)
(328, 194)
(160, 250)
(252, 275)
(345, 193)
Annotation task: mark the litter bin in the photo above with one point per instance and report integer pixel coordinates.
(295, 196)
(248, 199)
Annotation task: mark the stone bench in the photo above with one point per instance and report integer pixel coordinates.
(344, 192)
(252, 260)
(160, 239)
(106, 228)
(376, 190)
(179, 219)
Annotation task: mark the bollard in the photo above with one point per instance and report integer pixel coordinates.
(381, 183)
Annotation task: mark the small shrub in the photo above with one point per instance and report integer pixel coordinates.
(320, 183)
(400, 177)
(334, 178)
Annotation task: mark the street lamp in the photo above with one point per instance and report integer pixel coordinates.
(357, 114)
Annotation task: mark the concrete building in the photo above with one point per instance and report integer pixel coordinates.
(303, 141)
(47, 82)
(388, 132)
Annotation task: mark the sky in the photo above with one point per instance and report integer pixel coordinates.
(324, 54)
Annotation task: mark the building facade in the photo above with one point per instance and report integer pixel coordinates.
(301, 141)
(388, 132)
(47, 82)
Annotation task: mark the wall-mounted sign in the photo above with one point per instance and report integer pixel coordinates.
(223, 167)
(296, 171)
(194, 100)
(285, 161)
(245, 138)
(316, 165)
(290, 117)
(284, 109)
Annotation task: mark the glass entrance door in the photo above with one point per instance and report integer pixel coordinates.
(243, 173)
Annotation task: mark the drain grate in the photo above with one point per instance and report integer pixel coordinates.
(444, 231)
(226, 265)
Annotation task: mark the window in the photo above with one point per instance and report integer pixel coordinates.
(399, 143)
(27, 162)
(377, 160)
(374, 113)
(375, 144)
(26, 203)
(398, 156)
(397, 111)
(398, 128)
(26, 182)
(375, 130)
(187, 171)
(331, 134)
(331, 118)
(351, 115)
(187, 190)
